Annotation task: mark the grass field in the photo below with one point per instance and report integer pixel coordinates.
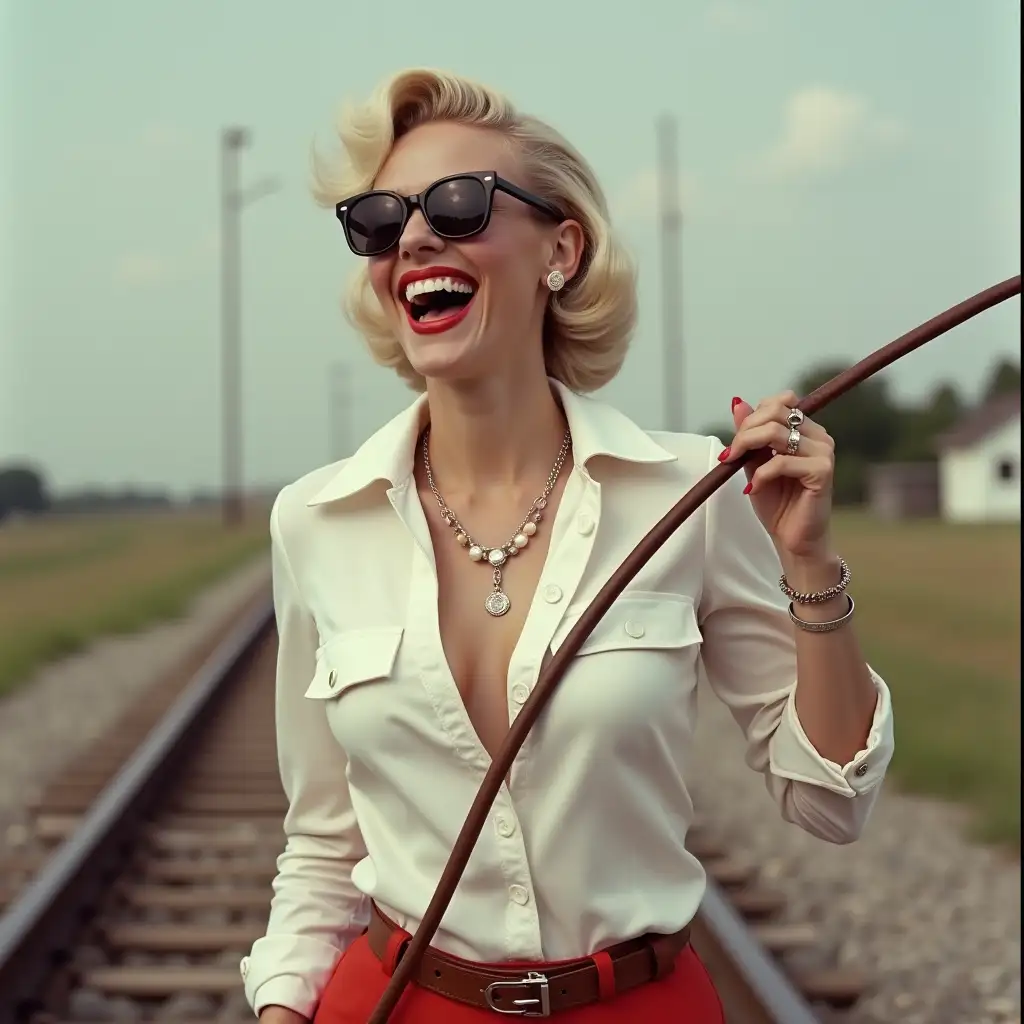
(938, 611)
(64, 582)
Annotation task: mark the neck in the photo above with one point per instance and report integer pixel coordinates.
(493, 432)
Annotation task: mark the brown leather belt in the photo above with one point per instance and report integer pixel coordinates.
(519, 991)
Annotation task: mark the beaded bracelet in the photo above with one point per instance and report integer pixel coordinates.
(823, 595)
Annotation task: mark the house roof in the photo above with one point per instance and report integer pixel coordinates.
(982, 421)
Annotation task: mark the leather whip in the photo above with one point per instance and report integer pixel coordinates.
(632, 564)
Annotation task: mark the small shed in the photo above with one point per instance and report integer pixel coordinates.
(903, 490)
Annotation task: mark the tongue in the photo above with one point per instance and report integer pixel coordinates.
(439, 314)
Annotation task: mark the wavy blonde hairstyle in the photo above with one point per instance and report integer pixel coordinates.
(589, 323)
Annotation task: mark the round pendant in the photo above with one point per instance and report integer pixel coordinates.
(497, 603)
(496, 557)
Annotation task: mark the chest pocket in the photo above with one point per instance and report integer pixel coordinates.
(641, 620)
(353, 657)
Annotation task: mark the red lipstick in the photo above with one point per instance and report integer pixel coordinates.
(446, 323)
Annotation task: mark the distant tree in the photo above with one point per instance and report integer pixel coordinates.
(22, 489)
(922, 425)
(1004, 379)
(865, 424)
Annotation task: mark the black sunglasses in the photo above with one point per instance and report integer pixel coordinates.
(455, 207)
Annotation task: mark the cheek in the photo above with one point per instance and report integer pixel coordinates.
(505, 262)
(380, 271)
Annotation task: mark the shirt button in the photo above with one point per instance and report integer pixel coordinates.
(519, 895)
(552, 593)
(332, 680)
(585, 524)
(861, 769)
(244, 966)
(505, 827)
(520, 693)
(634, 629)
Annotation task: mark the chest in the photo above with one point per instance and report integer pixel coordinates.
(410, 660)
(487, 583)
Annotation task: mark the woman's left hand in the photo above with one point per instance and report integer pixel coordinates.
(791, 493)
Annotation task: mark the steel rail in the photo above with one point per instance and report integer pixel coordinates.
(39, 925)
(751, 985)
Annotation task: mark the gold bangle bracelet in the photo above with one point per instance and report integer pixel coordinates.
(822, 627)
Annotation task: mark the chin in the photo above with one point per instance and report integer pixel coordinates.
(446, 349)
(444, 358)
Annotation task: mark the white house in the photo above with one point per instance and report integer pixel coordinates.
(979, 465)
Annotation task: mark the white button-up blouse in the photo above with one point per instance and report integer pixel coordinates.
(586, 844)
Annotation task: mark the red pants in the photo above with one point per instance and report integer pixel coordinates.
(686, 996)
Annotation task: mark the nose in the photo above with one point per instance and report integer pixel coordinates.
(418, 238)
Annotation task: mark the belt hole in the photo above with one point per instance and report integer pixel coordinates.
(437, 973)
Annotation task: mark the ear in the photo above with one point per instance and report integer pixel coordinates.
(567, 249)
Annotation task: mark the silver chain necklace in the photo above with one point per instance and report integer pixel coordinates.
(497, 602)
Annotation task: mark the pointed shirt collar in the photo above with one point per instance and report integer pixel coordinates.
(388, 455)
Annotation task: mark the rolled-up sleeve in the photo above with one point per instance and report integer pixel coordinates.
(749, 656)
(315, 912)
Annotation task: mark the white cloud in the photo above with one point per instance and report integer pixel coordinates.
(825, 130)
(731, 16)
(637, 198)
(140, 270)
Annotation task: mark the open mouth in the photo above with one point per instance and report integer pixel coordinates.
(437, 303)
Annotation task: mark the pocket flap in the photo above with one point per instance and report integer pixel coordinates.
(355, 656)
(641, 620)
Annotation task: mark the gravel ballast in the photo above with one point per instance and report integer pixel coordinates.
(66, 706)
(932, 919)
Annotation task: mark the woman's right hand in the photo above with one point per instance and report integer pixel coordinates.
(281, 1015)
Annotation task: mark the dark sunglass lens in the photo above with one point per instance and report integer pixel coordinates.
(374, 223)
(457, 208)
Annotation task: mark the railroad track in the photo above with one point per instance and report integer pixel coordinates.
(149, 877)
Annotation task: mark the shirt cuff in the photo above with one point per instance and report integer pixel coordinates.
(793, 756)
(288, 970)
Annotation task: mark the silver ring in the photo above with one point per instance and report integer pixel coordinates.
(794, 441)
(794, 419)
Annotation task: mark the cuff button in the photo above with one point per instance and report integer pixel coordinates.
(861, 769)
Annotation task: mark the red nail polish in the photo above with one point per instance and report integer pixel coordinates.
(749, 487)
(736, 401)
(724, 455)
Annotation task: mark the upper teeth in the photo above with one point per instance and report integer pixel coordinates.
(436, 284)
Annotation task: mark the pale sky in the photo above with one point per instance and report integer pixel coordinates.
(849, 170)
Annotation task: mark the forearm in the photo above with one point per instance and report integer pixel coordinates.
(835, 695)
(281, 1015)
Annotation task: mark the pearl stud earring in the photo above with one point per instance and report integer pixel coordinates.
(556, 280)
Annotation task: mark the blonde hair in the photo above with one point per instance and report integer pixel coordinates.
(589, 323)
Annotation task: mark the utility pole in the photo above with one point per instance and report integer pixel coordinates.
(671, 274)
(232, 141)
(338, 411)
(232, 201)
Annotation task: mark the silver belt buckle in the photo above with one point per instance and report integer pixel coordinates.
(538, 1007)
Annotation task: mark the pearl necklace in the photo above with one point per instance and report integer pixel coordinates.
(498, 603)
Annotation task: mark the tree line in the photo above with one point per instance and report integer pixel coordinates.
(870, 426)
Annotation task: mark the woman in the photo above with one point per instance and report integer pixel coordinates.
(421, 585)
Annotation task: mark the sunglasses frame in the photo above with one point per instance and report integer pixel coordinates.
(491, 181)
